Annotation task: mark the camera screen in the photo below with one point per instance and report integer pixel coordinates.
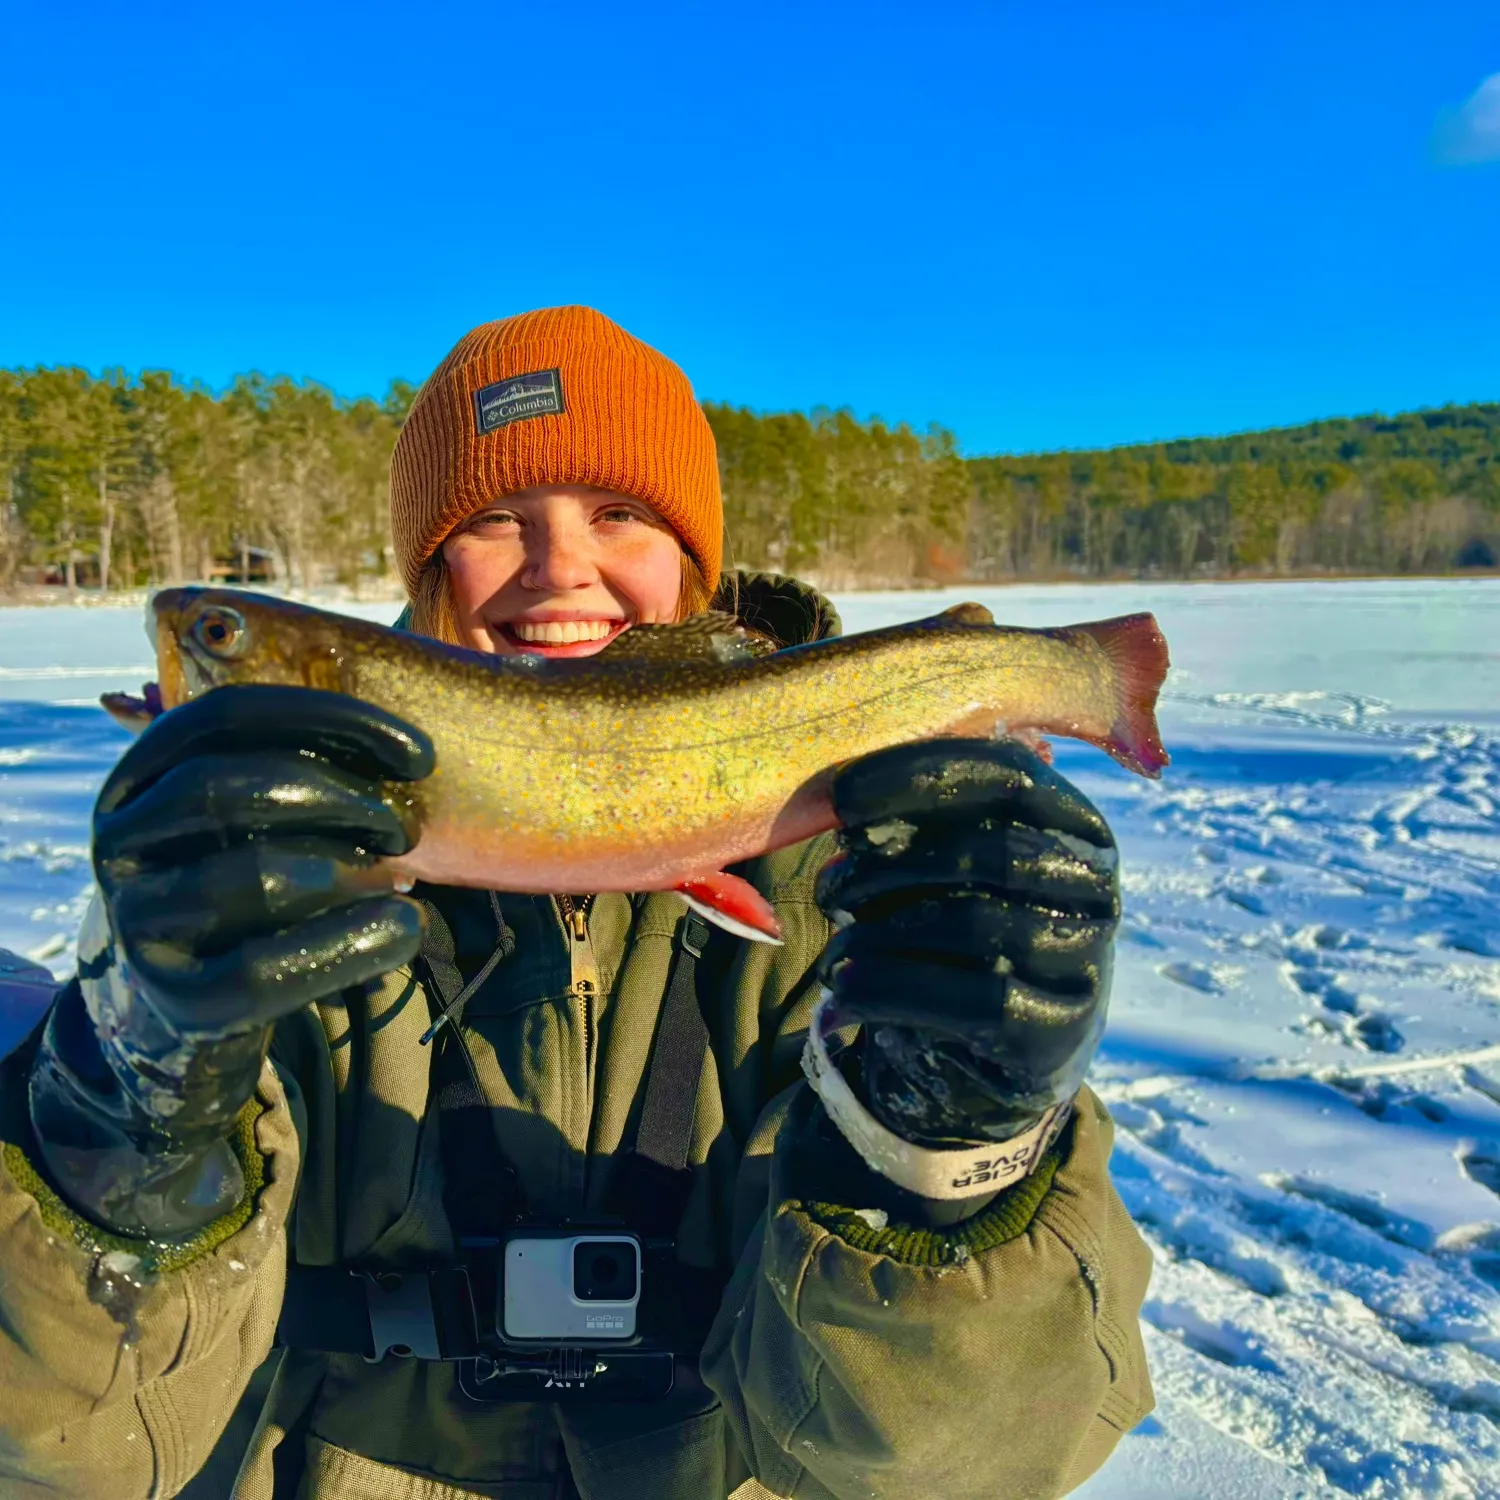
(604, 1271)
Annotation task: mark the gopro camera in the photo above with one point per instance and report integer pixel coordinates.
(570, 1287)
(568, 1321)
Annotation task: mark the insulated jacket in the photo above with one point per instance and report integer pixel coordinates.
(849, 1360)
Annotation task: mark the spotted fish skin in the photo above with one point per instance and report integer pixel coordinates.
(676, 751)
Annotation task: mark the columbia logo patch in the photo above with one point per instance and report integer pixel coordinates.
(538, 394)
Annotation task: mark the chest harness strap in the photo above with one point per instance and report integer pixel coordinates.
(430, 1313)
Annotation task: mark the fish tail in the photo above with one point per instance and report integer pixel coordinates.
(1137, 650)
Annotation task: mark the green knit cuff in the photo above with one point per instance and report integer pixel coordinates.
(156, 1256)
(1004, 1219)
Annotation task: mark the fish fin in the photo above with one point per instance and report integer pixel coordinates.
(1033, 741)
(1137, 650)
(733, 904)
(975, 724)
(967, 614)
(711, 637)
(984, 723)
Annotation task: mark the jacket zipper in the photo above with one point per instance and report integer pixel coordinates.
(575, 915)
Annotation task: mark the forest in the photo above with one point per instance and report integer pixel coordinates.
(117, 481)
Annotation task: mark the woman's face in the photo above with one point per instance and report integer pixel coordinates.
(561, 570)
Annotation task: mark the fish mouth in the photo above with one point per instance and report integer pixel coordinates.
(173, 671)
(508, 635)
(175, 682)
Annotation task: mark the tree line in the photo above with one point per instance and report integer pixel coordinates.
(1415, 493)
(117, 481)
(121, 481)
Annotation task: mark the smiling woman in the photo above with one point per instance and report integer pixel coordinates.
(554, 471)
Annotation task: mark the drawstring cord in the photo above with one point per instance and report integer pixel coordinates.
(452, 1010)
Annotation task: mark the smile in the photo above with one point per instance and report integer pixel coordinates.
(561, 632)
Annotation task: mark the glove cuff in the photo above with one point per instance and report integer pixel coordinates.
(948, 1174)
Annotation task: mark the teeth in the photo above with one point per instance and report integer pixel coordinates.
(563, 632)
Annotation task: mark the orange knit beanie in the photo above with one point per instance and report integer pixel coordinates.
(560, 396)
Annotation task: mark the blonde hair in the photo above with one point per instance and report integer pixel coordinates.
(433, 612)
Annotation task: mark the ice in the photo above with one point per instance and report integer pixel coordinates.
(1302, 1057)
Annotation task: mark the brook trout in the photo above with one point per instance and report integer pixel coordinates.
(676, 750)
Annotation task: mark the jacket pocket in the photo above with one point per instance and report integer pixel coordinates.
(337, 1474)
(681, 1461)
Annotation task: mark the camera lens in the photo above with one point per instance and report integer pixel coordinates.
(603, 1271)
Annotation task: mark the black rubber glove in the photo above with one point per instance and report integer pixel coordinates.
(234, 847)
(983, 889)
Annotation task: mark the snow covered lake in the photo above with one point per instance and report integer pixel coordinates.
(1304, 1053)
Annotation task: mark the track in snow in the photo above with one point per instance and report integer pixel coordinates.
(1311, 921)
(1312, 899)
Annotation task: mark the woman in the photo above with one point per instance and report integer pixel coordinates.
(266, 1079)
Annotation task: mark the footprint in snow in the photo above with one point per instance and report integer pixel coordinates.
(1223, 1343)
(1245, 900)
(1479, 1245)
(1375, 1033)
(1369, 1031)
(1325, 936)
(1479, 1161)
(1194, 976)
(1480, 944)
(1329, 988)
(1381, 1099)
(1369, 1212)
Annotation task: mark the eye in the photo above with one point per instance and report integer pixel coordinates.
(221, 632)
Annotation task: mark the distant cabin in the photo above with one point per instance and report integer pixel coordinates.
(249, 565)
(252, 565)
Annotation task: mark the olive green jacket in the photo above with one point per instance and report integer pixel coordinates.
(998, 1358)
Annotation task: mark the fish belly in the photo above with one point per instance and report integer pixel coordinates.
(652, 855)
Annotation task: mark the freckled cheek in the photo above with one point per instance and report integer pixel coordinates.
(648, 571)
(480, 571)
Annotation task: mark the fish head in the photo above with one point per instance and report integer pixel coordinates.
(208, 638)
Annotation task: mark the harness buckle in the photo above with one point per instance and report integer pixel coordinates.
(402, 1321)
(694, 934)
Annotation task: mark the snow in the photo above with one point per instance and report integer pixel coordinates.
(1303, 1059)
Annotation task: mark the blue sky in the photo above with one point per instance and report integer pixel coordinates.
(1041, 225)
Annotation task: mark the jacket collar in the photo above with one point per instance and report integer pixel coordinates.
(791, 612)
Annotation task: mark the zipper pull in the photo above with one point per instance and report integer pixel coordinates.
(578, 921)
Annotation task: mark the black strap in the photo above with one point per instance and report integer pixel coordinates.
(480, 1190)
(677, 1056)
(655, 1180)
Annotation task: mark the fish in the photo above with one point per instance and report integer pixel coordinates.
(679, 749)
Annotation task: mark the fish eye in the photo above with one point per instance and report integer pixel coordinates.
(221, 631)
